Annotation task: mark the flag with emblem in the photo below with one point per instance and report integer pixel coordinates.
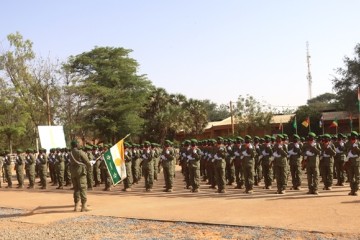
(334, 123)
(306, 122)
(115, 161)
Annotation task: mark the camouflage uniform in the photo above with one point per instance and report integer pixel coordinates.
(129, 178)
(295, 152)
(280, 163)
(247, 152)
(327, 159)
(42, 161)
(266, 158)
(167, 160)
(193, 156)
(148, 166)
(79, 163)
(19, 167)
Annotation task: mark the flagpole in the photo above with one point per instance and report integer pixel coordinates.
(295, 125)
(309, 125)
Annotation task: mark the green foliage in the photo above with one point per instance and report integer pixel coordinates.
(252, 114)
(112, 94)
(215, 112)
(348, 81)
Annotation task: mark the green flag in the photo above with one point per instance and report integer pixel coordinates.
(294, 123)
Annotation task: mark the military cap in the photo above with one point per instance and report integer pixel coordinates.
(126, 144)
(29, 150)
(280, 136)
(247, 137)
(296, 136)
(194, 140)
(238, 138)
(267, 136)
(147, 142)
(327, 136)
(354, 134)
(74, 143)
(19, 150)
(311, 134)
(220, 138)
(256, 137)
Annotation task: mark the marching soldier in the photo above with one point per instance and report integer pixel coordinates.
(295, 152)
(89, 175)
(265, 159)
(339, 159)
(52, 171)
(280, 163)
(148, 165)
(67, 173)
(154, 147)
(184, 163)
(135, 165)
(219, 151)
(258, 168)
(193, 156)
(8, 168)
(239, 174)
(311, 153)
(42, 161)
(353, 164)
(327, 166)
(60, 168)
(30, 167)
(96, 167)
(247, 152)
(129, 179)
(230, 169)
(167, 160)
(19, 167)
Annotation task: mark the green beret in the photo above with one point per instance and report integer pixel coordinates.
(311, 134)
(239, 138)
(279, 136)
(326, 136)
(247, 137)
(147, 142)
(29, 150)
(220, 138)
(340, 135)
(354, 133)
(296, 136)
(267, 137)
(19, 150)
(74, 143)
(256, 137)
(194, 140)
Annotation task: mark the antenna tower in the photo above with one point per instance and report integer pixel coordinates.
(309, 78)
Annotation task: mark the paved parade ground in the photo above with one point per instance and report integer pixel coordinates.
(331, 212)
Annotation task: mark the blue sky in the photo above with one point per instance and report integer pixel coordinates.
(213, 50)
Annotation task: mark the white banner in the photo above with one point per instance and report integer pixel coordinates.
(52, 137)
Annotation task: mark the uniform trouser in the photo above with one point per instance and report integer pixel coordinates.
(203, 169)
(194, 173)
(249, 173)
(281, 177)
(211, 173)
(31, 174)
(230, 171)
(338, 163)
(52, 173)
(239, 173)
(148, 169)
(43, 175)
(135, 167)
(295, 170)
(220, 166)
(8, 175)
(267, 173)
(89, 177)
(168, 173)
(258, 172)
(354, 175)
(96, 173)
(106, 178)
(156, 168)
(185, 168)
(312, 178)
(67, 174)
(129, 178)
(327, 174)
(78, 178)
(60, 171)
(20, 175)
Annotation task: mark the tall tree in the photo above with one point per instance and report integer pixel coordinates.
(347, 82)
(215, 112)
(113, 93)
(252, 114)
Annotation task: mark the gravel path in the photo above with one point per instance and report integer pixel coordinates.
(94, 227)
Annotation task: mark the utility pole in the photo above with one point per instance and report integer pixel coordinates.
(232, 118)
(309, 78)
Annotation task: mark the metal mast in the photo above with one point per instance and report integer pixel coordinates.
(309, 78)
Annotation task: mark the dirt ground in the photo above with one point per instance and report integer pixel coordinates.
(233, 215)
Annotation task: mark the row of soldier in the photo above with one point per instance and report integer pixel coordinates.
(244, 162)
(247, 161)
